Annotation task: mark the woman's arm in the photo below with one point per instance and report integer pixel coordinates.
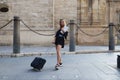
(66, 34)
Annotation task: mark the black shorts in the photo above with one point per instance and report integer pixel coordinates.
(59, 41)
(59, 38)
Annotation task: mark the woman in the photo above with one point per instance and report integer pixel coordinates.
(59, 41)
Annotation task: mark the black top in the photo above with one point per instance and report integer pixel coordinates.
(60, 35)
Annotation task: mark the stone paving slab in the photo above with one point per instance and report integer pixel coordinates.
(75, 67)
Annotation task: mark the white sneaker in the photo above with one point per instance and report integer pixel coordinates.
(57, 67)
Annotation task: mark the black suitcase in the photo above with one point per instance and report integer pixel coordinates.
(38, 63)
(118, 61)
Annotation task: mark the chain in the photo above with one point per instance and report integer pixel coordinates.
(117, 28)
(87, 33)
(92, 34)
(6, 24)
(36, 31)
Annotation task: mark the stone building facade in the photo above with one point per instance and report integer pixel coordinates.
(92, 16)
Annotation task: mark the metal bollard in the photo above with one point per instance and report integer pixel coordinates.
(16, 37)
(111, 37)
(72, 37)
(118, 61)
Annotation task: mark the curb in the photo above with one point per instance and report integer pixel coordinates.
(52, 53)
(93, 52)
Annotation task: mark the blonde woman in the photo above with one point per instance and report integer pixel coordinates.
(60, 37)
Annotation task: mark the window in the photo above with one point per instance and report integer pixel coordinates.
(4, 8)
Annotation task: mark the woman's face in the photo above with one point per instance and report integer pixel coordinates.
(62, 24)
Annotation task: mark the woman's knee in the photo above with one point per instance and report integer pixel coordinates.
(58, 47)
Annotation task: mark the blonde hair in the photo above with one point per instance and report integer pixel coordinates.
(63, 21)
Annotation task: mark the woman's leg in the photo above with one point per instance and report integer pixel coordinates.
(58, 48)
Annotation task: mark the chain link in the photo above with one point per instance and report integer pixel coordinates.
(78, 28)
(35, 31)
(54, 34)
(117, 28)
(6, 24)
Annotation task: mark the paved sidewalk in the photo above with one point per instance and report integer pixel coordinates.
(6, 51)
(75, 67)
(28, 49)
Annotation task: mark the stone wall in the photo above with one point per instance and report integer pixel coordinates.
(92, 21)
(65, 9)
(40, 15)
(93, 38)
(44, 15)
